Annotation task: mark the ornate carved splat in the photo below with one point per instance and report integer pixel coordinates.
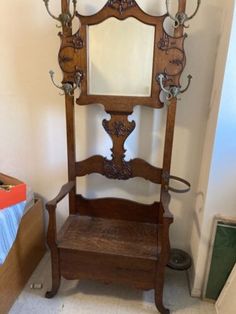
(121, 5)
(119, 128)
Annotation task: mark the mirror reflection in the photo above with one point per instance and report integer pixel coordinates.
(120, 58)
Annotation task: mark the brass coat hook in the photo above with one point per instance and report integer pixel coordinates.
(171, 91)
(68, 88)
(64, 18)
(181, 18)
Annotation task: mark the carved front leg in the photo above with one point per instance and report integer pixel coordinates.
(51, 240)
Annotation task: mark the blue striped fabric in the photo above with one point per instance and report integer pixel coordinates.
(10, 219)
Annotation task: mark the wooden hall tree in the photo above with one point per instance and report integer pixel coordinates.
(111, 239)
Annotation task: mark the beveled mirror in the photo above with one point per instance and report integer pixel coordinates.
(120, 58)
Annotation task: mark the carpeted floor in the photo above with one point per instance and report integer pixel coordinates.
(89, 297)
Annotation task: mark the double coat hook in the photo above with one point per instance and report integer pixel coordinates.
(181, 18)
(64, 18)
(172, 91)
(68, 88)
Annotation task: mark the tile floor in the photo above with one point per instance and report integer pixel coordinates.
(88, 297)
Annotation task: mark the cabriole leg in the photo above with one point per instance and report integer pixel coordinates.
(159, 291)
(56, 275)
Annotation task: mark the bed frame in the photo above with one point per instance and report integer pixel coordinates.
(27, 251)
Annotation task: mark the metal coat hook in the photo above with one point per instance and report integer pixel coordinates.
(172, 91)
(64, 18)
(188, 84)
(181, 18)
(68, 88)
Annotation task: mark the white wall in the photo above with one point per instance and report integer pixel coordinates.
(38, 151)
(15, 116)
(32, 127)
(216, 189)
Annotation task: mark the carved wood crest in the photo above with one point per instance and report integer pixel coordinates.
(121, 5)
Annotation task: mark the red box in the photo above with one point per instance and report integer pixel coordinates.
(16, 194)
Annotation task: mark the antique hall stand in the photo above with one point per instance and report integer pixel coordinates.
(111, 239)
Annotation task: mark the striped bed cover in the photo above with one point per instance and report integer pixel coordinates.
(10, 219)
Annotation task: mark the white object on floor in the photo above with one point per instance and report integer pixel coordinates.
(91, 297)
(226, 303)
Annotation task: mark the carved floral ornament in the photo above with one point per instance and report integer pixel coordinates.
(170, 44)
(120, 171)
(77, 41)
(118, 128)
(121, 5)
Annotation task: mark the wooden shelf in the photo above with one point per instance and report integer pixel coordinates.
(109, 236)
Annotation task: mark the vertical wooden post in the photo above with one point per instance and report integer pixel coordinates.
(70, 125)
(171, 114)
(166, 221)
(182, 5)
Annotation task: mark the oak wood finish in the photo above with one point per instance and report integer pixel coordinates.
(109, 236)
(69, 101)
(108, 268)
(109, 250)
(138, 168)
(110, 239)
(24, 256)
(115, 208)
(66, 188)
(169, 58)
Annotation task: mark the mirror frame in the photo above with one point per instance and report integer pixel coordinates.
(169, 56)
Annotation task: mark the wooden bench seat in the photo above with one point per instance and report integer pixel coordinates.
(109, 250)
(109, 236)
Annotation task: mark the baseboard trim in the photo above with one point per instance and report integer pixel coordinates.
(195, 293)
